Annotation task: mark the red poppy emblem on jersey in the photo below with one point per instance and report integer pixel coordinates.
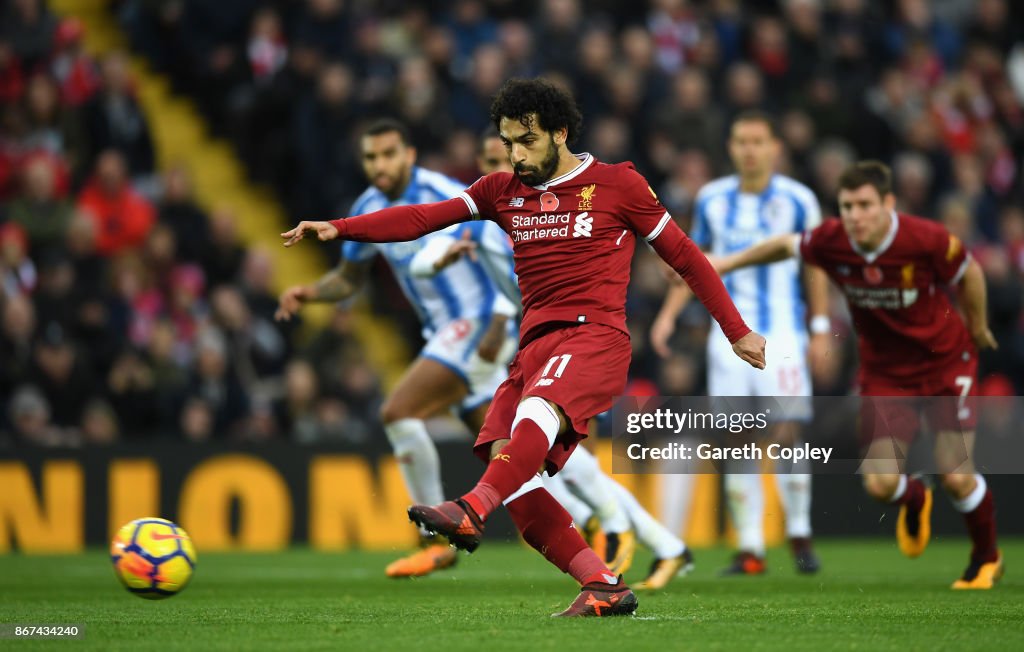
(873, 274)
(549, 201)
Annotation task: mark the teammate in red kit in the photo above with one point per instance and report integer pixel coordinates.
(574, 223)
(913, 343)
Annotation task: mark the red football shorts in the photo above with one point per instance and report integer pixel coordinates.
(579, 368)
(944, 398)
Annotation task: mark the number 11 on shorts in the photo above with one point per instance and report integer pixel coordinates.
(559, 370)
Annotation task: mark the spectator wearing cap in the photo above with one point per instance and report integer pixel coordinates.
(123, 217)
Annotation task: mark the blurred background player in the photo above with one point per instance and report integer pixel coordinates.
(574, 354)
(468, 322)
(732, 213)
(610, 516)
(892, 268)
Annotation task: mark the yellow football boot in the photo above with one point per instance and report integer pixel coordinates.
(435, 554)
(664, 570)
(981, 575)
(619, 550)
(913, 530)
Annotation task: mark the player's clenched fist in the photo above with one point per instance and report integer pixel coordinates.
(750, 348)
(323, 230)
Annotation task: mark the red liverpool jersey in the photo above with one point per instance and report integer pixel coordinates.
(573, 238)
(907, 327)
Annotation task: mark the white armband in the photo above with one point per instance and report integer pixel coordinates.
(820, 325)
(422, 264)
(504, 306)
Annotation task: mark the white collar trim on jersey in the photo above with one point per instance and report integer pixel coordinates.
(585, 160)
(872, 256)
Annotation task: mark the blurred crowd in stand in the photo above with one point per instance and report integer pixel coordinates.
(128, 311)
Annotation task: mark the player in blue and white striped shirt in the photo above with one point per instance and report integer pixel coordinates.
(733, 213)
(467, 311)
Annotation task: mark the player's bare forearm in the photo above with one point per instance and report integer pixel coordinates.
(816, 286)
(765, 252)
(676, 299)
(664, 325)
(494, 336)
(332, 287)
(974, 302)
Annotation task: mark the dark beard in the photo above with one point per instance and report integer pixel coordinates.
(537, 176)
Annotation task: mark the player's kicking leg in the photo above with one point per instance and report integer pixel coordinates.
(427, 387)
(559, 381)
(543, 523)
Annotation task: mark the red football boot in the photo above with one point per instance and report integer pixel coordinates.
(452, 519)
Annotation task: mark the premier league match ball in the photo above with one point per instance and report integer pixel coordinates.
(153, 558)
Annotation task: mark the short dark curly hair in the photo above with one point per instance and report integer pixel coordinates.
(555, 107)
(867, 173)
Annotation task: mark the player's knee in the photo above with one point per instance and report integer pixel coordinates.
(957, 484)
(881, 486)
(393, 411)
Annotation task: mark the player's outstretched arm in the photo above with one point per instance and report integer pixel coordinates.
(974, 301)
(664, 325)
(765, 252)
(392, 224)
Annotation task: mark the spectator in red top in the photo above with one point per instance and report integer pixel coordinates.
(75, 70)
(123, 217)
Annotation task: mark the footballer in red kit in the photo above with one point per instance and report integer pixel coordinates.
(574, 223)
(893, 269)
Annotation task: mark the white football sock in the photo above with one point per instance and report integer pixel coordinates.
(649, 531)
(676, 496)
(578, 510)
(795, 491)
(417, 459)
(746, 504)
(582, 475)
(970, 502)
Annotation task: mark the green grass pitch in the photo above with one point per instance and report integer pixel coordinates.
(867, 598)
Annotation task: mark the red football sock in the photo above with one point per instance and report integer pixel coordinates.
(548, 528)
(981, 525)
(517, 463)
(913, 496)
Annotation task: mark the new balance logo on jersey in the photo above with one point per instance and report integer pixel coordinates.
(516, 202)
(583, 226)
